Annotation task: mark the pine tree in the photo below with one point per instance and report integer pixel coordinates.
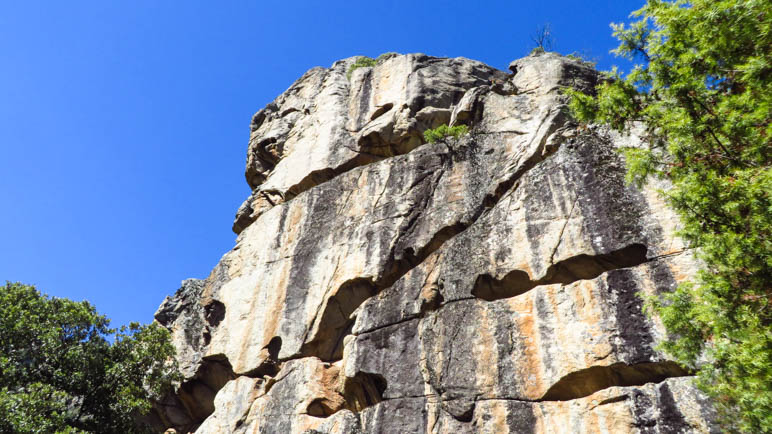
(702, 91)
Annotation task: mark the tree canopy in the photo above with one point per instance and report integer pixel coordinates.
(59, 372)
(702, 91)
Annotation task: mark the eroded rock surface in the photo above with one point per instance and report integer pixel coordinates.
(327, 123)
(379, 284)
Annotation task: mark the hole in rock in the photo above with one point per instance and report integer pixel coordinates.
(266, 142)
(514, 283)
(335, 322)
(568, 271)
(269, 151)
(197, 394)
(364, 390)
(466, 416)
(288, 111)
(214, 312)
(589, 267)
(588, 381)
(322, 407)
(461, 408)
(270, 366)
(380, 111)
(374, 144)
(273, 347)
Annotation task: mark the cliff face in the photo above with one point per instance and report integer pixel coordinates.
(488, 283)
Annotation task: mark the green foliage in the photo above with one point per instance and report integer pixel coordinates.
(361, 62)
(386, 56)
(703, 93)
(59, 372)
(443, 131)
(366, 62)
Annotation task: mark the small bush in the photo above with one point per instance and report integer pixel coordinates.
(386, 56)
(361, 62)
(365, 62)
(443, 131)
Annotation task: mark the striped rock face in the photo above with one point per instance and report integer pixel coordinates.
(379, 284)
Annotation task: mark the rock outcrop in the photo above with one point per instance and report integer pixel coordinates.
(380, 284)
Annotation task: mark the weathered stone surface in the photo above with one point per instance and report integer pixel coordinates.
(185, 311)
(295, 277)
(296, 399)
(555, 342)
(189, 316)
(671, 406)
(326, 124)
(571, 217)
(489, 283)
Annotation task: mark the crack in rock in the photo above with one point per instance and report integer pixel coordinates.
(587, 381)
(581, 267)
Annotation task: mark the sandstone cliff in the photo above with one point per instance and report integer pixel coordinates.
(380, 284)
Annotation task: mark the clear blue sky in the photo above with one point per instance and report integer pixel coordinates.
(124, 124)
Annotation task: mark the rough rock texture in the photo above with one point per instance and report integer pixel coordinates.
(490, 283)
(326, 124)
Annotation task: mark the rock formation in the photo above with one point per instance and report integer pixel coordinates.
(380, 284)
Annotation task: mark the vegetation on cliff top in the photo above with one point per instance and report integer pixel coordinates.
(366, 62)
(703, 93)
(60, 373)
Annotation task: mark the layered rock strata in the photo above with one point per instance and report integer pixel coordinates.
(490, 283)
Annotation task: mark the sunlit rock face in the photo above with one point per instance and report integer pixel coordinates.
(380, 284)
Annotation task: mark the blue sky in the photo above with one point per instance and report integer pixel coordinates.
(124, 124)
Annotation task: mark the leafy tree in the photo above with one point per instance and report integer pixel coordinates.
(60, 373)
(703, 93)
